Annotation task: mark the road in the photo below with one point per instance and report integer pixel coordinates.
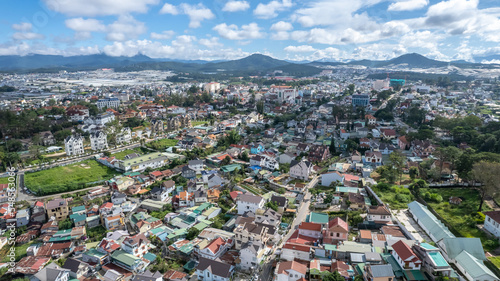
(266, 271)
(22, 196)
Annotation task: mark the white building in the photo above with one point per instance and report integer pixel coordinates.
(284, 93)
(124, 136)
(249, 203)
(100, 120)
(251, 254)
(492, 222)
(109, 103)
(211, 87)
(379, 214)
(74, 145)
(214, 270)
(290, 271)
(98, 141)
(405, 256)
(301, 170)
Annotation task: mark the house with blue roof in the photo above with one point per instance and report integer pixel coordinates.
(257, 148)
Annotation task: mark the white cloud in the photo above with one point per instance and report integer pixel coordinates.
(92, 8)
(235, 6)
(164, 35)
(282, 26)
(24, 26)
(27, 36)
(299, 49)
(233, 32)
(84, 27)
(271, 9)
(408, 5)
(169, 9)
(125, 28)
(196, 13)
(212, 42)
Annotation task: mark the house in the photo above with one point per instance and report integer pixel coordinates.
(474, 268)
(214, 180)
(188, 173)
(379, 214)
(74, 145)
(249, 231)
(310, 229)
(403, 143)
(281, 202)
(118, 198)
(216, 248)
(286, 158)
(113, 222)
(295, 251)
(332, 177)
(290, 271)
(57, 208)
(373, 158)
(98, 141)
(213, 270)
(381, 272)
(46, 138)
(52, 272)
(141, 163)
(256, 148)
(77, 268)
(405, 256)
(159, 193)
(213, 195)
(249, 203)
(196, 165)
(251, 254)
(148, 276)
(370, 119)
(492, 222)
(137, 245)
(337, 230)
(38, 212)
(318, 153)
(127, 261)
(388, 133)
(301, 169)
(22, 217)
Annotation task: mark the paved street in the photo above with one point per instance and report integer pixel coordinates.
(303, 210)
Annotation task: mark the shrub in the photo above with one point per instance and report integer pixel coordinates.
(491, 243)
(402, 198)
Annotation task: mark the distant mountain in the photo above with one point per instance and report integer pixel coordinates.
(487, 58)
(9, 63)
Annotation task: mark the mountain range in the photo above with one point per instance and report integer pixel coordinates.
(252, 65)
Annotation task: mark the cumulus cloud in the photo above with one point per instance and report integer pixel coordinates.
(233, 32)
(27, 36)
(196, 13)
(24, 26)
(212, 42)
(125, 28)
(169, 9)
(84, 27)
(408, 5)
(236, 6)
(164, 35)
(300, 49)
(271, 9)
(92, 8)
(282, 26)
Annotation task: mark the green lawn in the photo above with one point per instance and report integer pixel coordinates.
(121, 155)
(20, 251)
(495, 261)
(397, 197)
(162, 144)
(4, 180)
(67, 178)
(461, 217)
(198, 123)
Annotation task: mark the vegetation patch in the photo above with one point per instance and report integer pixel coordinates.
(68, 178)
(162, 144)
(121, 155)
(396, 196)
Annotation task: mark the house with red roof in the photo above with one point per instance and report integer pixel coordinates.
(294, 251)
(388, 133)
(156, 175)
(337, 230)
(403, 143)
(310, 229)
(290, 271)
(405, 256)
(216, 248)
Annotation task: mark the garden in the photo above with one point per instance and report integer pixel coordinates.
(68, 178)
(396, 196)
(162, 144)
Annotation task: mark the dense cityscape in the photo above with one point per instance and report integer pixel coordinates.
(234, 140)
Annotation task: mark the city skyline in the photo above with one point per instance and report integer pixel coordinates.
(284, 29)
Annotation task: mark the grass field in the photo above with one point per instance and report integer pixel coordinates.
(162, 144)
(67, 178)
(121, 155)
(461, 217)
(198, 123)
(20, 251)
(495, 261)
(4, 180)
(397, 197)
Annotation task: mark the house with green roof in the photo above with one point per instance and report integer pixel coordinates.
(95, 256)
(433, 261)
(230, 168)
(78, 219)
(127, 261)
(141, 163)
(211, 213)
(178, 234)
(79, 210)
(200, 209)
(318, 218)
(428, 222)
(474, 268)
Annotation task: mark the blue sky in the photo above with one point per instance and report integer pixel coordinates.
(228, 29)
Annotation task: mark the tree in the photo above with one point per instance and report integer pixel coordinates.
(65, 224)
(192, 233)
(413, 173)
(281, 190)
(226, 160)
(328, 276)
(487, 174)
(332, 147)
(398, 161)
(260, 107)
(244, 156)
(273, 205)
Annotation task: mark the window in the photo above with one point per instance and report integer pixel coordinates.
(338, 234)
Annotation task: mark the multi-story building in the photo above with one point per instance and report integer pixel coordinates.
(136, 245)
(249, 203)
(360, 100)
(101, 119)
(109, 103)
(124, 136)
(141, 163)
(57, 208)
(98, 140)
(74, 145)
(492, 222)
(250, 232)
